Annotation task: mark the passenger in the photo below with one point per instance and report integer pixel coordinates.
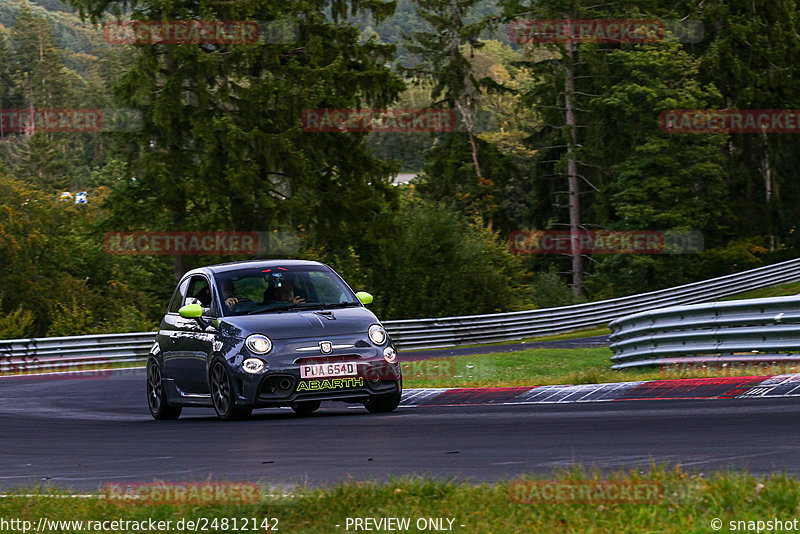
(285, 293)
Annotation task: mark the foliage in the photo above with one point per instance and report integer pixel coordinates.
(55, 277)
(18, 324)
(548, 289)
(437, 264)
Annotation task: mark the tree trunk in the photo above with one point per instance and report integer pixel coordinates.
(766, 172)
(572, 173)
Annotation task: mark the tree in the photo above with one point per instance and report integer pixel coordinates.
(437, 264)
(752, 55)
(222, 146)
(662, 181)
(443, 60)
(38, 62)
(565, 77)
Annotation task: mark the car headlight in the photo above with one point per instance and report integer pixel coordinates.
(389, 355)
(377, 334)
(258, 344)
(253, 365)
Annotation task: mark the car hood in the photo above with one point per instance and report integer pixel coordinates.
(301, 323)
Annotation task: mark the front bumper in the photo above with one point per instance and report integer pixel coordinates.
(282, 385)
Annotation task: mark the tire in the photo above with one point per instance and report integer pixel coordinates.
(305, 407)
(156, 396)
(383, 403)
(222, 395)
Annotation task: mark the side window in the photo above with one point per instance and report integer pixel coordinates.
(200, 290)
(178, 297)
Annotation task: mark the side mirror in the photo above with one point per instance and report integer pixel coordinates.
(364, 297)
(191, 311)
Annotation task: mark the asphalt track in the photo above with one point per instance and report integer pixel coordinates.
(85, 433)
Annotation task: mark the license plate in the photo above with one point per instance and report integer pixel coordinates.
(323, 370)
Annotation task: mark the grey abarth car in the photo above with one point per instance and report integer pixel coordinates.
(275, 333)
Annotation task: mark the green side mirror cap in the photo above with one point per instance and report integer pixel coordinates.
(191, 311)
(364, 297)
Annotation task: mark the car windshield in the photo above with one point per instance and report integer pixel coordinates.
(280, 289)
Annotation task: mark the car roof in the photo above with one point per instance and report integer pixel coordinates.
(250, 264)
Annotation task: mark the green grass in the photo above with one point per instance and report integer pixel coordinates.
(577, 334)
(599, 331)
(541, 367)
(782, 290)
(680, 503)
(534, 367)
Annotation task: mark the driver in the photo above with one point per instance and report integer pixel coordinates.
(228, 293)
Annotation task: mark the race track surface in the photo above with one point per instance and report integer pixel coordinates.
(85, 433)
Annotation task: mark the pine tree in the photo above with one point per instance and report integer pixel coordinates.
(222, 147)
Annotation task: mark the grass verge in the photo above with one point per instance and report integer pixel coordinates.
(577, 501)
(534, 367)
(783, 290)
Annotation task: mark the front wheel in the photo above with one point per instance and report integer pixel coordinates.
(157, 398)
(383, 403)
(222, 395)
(305, 407)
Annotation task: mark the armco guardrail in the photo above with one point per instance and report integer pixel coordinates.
(733, 331)
(73, 354)
(453, 331)
(59, 353)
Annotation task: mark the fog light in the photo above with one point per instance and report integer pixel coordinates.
(253, 365)
(389, 355)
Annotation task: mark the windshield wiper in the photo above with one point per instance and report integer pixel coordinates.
(341, 305)
(287, 306)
